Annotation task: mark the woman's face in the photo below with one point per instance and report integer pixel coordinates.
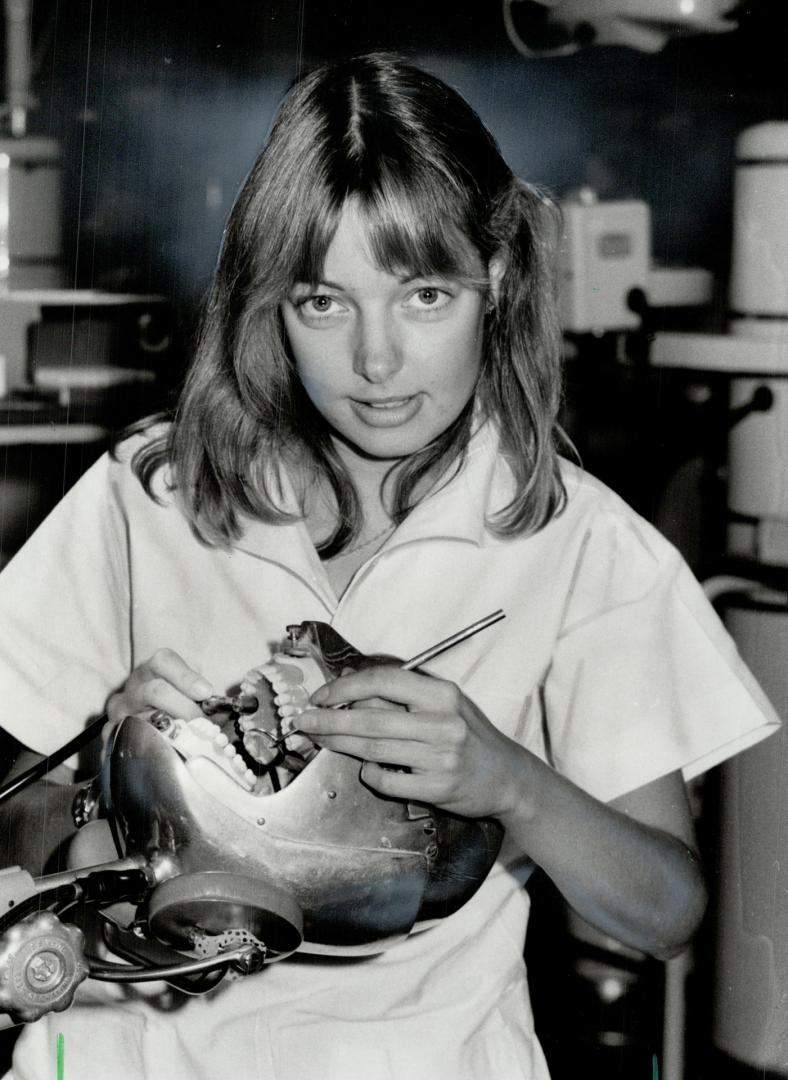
(389, 361)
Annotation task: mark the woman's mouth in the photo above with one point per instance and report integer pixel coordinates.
(386, 412)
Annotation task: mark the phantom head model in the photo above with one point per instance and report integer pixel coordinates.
(232, 841)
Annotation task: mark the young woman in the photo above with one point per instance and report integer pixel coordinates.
(368, 438)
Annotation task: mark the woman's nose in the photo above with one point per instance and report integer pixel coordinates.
(377, 354)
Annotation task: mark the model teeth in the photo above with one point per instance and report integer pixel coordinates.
(268, 669)
(259, 747)
(301, 744)
(270, 735)
(205, 727)
(259, 731)
(201, 738)
(284, 668)
(298, 699)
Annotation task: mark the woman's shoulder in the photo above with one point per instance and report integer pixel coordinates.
(605, 518)
(132, 477)
(613, 558)
(589, 511)
(588, 492)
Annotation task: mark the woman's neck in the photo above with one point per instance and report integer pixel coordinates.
(367, 473)
(368, 477)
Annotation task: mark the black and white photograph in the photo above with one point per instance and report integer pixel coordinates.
(393, 540)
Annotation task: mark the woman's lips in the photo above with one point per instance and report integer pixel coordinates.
(386, 412)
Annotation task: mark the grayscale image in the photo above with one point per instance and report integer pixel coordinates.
(393, 540)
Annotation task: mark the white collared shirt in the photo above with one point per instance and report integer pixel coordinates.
(610, 665)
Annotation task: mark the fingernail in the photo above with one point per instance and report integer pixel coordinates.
(201, 690)
(319, 695)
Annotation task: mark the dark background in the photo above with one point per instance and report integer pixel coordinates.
(160, 108)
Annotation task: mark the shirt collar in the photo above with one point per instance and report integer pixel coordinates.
(456, 510)
(459, 508)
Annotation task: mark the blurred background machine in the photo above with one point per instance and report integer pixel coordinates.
(75, 364)
(738, 381)
(608, 279)
(751, 980)
(562, 27)
(615, 303)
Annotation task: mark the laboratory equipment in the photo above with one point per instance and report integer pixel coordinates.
(75, 364)
(558, 27)
(605, 270)
(751, 980)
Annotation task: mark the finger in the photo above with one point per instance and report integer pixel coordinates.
(398, 752)
(161, 694)
(376, 703)
(415, 787)
(152, 693)
(116, 708)
(392, 684)
(168, 665)
(374, 723)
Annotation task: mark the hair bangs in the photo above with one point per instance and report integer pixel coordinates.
(419, 220)
(416, 228)
(407, 232)
(316, 228)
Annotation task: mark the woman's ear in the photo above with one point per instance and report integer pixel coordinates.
(496, 270)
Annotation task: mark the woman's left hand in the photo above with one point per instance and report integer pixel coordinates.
(456, 759)
(628, 867)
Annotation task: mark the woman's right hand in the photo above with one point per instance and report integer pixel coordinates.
(166, 682)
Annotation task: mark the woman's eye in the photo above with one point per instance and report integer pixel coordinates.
(430, 296)
(318, 305)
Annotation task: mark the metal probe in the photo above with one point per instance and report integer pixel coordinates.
(455, 639)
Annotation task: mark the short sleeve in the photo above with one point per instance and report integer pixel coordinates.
(644, 680)
(64, 613)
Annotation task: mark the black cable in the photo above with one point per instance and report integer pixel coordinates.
(138, 973)
(109, 886)
(58, 894)
(194, 985)
(46, 764)
(97, 887)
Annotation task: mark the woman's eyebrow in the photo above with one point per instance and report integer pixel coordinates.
(306, 283)
(403, 279)
(424, 275)
(321, 284)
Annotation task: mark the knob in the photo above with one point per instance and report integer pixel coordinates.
(42, 962)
